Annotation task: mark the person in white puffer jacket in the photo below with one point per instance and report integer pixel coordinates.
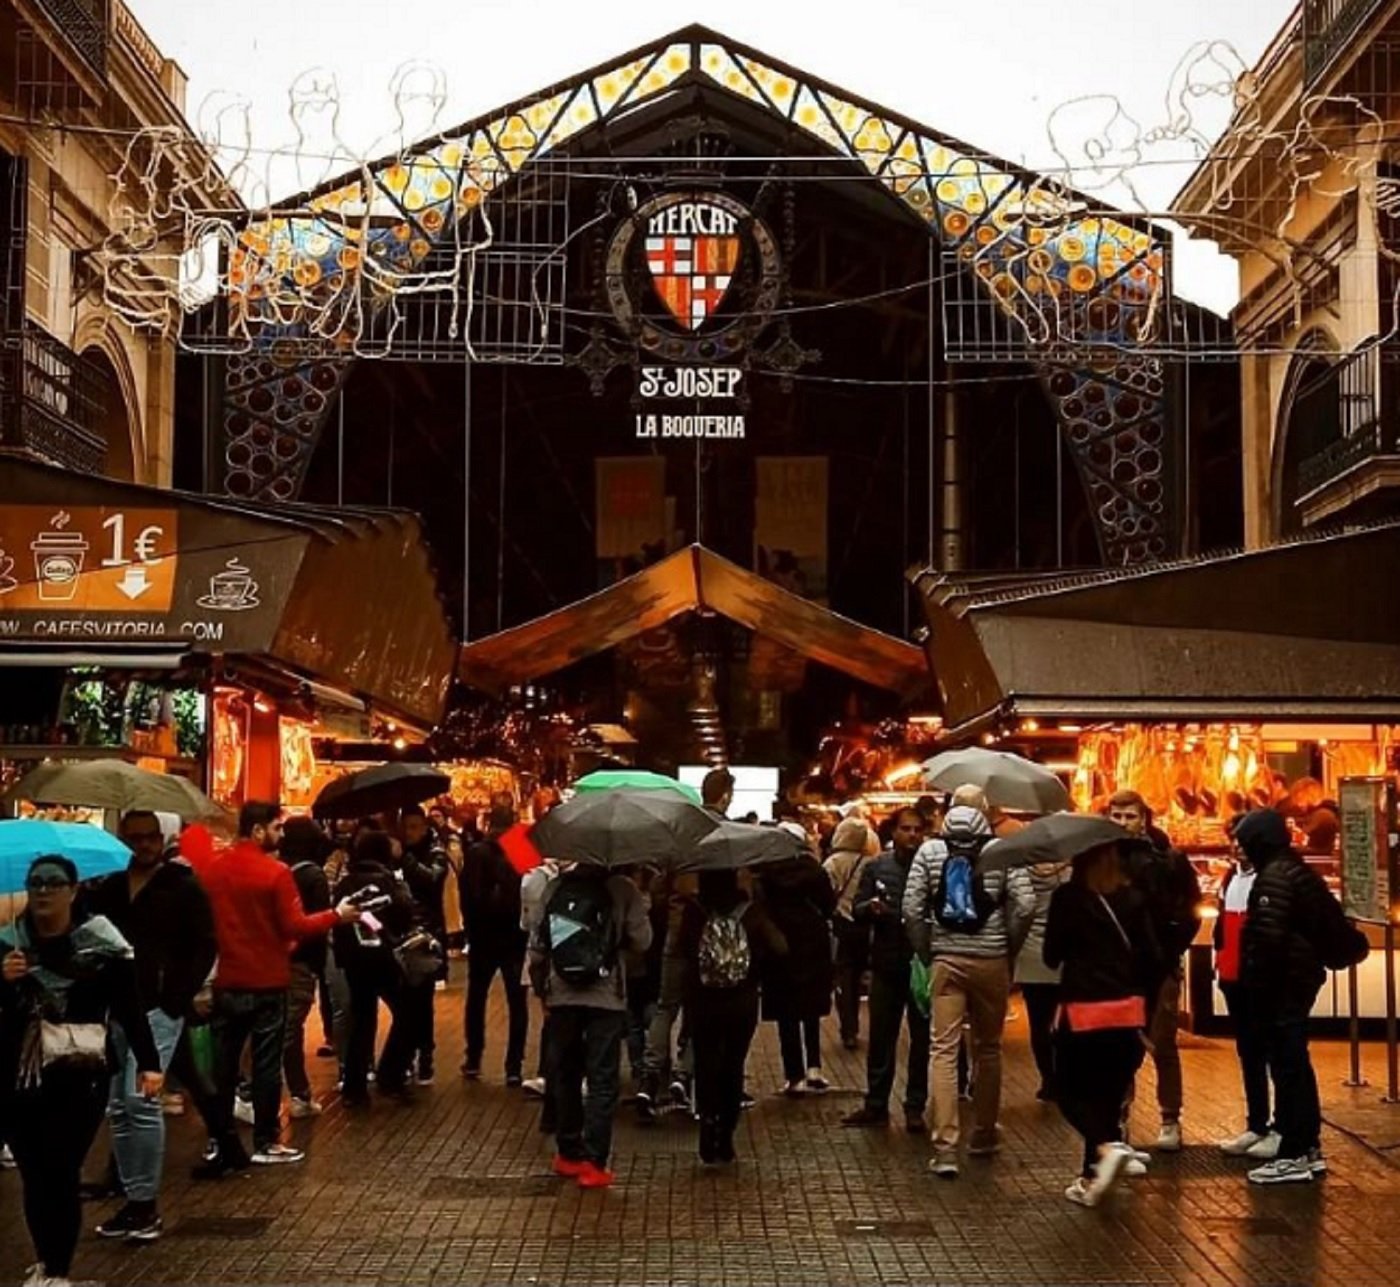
(969, 931)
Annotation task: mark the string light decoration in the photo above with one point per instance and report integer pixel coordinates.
(1037, 267)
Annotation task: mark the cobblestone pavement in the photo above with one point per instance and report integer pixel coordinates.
(455, 1188)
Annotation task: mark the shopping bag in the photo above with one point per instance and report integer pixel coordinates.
(201, 1037)
(919, 983)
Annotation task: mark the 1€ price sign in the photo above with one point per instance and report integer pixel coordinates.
(87, 559)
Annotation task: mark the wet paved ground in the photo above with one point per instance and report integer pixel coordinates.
(455, 1189)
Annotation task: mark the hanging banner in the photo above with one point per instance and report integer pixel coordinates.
(790, 523)
(631, 514)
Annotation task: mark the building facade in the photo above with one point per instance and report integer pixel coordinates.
(1301, 190)
(91, 132)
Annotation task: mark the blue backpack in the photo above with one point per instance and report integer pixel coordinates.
(961, 901)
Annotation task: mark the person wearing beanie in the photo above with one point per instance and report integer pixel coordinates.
(1294, 932)
(851, 852)
(968, 922)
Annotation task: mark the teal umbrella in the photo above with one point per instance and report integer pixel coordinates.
(90, 849)
(635, 780)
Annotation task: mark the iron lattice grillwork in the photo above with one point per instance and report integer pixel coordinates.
(51, 402)
(1328, 28)
(42, 80)
(389, 223)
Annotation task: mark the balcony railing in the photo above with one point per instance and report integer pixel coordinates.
(52, 402)
(83, 26)
(1346, 417)
(1378, 439)
(1328, 27)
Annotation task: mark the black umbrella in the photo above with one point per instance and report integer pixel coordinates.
(740, 844)
(623, 828)
(380, 789)
(1057, 837)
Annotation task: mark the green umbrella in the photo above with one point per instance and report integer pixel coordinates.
(635, 780)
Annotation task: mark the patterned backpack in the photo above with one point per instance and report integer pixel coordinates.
(725, 956)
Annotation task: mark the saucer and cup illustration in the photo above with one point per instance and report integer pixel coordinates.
(232, 590)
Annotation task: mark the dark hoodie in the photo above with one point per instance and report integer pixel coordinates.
(800, 901)
(1294, 927)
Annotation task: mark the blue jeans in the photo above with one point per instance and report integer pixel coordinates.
(138, 1123)
(585, 1043)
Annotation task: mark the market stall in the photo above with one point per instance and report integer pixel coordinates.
(217, 639)
(1210, 686)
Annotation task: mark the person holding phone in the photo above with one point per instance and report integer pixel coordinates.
(879, 904)
(64, 979)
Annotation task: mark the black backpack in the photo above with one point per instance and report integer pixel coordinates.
(578, 931)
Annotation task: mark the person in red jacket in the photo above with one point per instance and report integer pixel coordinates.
(258, 919)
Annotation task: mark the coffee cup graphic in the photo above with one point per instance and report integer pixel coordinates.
(232, 590)
(58, 560)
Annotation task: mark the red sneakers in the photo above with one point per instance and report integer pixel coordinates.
(594, 1177)
(569, 1167)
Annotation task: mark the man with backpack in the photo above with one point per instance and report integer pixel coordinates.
(878, 900)
(1294, 932)
(490, 897)
(578, 932)
(1166, 878)
(967, 919)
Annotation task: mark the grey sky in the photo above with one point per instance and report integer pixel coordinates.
(991, 74)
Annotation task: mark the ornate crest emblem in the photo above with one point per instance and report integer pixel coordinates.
(692, 251)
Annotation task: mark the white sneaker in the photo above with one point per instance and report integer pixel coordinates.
(1283, 1170)
(816, 1083)
(1265, 1149)
(173, 1104)
(277, 1155)
(1135, 1168)
(308, 1107)
(1169, 1138)
(243, 1110)
(1112, 1159)
(1239, 1145)
(533, 1086)
(944, 1166)
(1317, 1164)
(1081, 1193)
(7, 1159)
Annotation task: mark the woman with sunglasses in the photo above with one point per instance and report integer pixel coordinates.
(64, 977)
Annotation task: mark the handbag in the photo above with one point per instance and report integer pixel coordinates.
(72, 1045)
(1096, 1016)
(419, 959)
(1120, 1012)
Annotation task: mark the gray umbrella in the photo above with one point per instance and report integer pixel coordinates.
(1008, 781)
(732, 845)
(622, 828)
(1057, 837)
(113, 784)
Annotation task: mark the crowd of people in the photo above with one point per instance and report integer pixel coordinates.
(193, 976)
